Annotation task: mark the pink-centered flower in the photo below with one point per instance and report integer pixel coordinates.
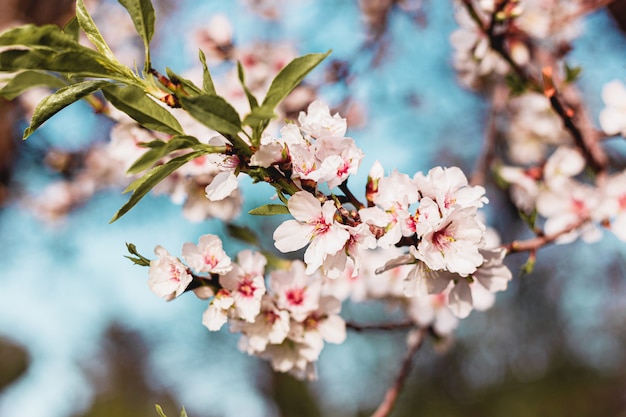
(246, 284)
(207, 255)
(314, 224)
(168, 276)
(295, 291)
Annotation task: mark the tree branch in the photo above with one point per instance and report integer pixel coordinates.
(414, 341)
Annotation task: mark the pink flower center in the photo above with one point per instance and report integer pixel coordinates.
(210, 260)
(270, 316)
(442, 238)
(295, 297)
(621, 200)
(579, 207)
(174, 273)
(246, 287)
(321, 226)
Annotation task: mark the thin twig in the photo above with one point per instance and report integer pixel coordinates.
(414, 342)
(382, 326)
(535, 243)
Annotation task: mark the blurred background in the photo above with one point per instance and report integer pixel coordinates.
(82, 335)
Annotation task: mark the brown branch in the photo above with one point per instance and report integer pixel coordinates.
(594, 155)
(535, 243)
(382, 326)
(414, 342)
(488, 154)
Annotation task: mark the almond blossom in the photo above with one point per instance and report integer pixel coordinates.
(169, 277)
(314, 224)
(246, 284)
(207, 256)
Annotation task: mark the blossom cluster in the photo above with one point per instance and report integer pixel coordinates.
(566, 202)
(286, 321)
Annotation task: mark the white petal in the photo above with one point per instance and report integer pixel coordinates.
(222, 186)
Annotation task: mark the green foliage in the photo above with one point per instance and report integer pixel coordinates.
(284, 83)
(133, 101)
(62, 98)
(137, 258)
(207, 82)
(213, 112)
(141, 186)
(572, 74)
(161, 413)
(244, 234)
(93, 34)
(142, 14)
(516, 84)
(159, 149)
(269, 210)
(28, 79)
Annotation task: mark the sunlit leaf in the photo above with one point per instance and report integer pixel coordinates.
(72, 28)
(91, 30)
(207, 81)
(157, 151)
(29, 79)
(73, 63)
(137, 258)
(159, 410)
(290, 77)
(142, 14)
(134, 102)
(49, 36)
(141, 186)
(62, 98)
(213, 112)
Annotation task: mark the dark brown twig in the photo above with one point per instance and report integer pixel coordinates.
(414, 342)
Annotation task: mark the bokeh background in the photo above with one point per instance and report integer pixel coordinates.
(82, 335)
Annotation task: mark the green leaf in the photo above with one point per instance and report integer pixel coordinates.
(62, 98)
(159, 410)
(213, 112)
(269, 210)
(188, 86)
(258, 115)
(141, 186)
(572, 73)
(142, 14)
(183, 413)
(47, 36)
(91, 30)
(252, 101)
(207, 81)
(29, 79)
(72, 28)
(159, 149)
(134, 102)
(137, 258)
(290, 77)
(74, 63)
(516, 84)
(242, 233)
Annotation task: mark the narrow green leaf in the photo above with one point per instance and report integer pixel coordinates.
(183, 413)
(134, 102)
(242, 233)
(269, 210)
(141, 186)
(258, 115)
(188, 86)
(290, 77)
(74, 63)
(72, 29)
(29, 79)
(142, 14)
(137, 258)
(572, 73)
(62, 98)
(207, 81)
(91, 30)
(49, 36)
(213, 112)
(252, 101)
(157, 151)
(159, 410)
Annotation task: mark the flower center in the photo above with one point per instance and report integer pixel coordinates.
(295, 297)
(246, 287)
